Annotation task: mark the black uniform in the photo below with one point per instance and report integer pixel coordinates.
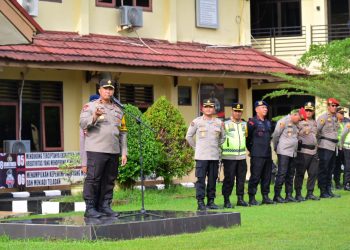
(258, 144)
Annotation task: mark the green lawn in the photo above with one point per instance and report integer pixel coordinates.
(321, 224)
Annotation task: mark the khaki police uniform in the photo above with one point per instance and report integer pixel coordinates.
(307, 159)
(327, 133)
(105, 140)
(285, 141)
(206, 136)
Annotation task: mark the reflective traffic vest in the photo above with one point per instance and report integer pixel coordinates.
(340, 130)
(235, 143)
(347, 139)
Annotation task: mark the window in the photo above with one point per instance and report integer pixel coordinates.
(184, 95)
(140, 96)
(230, 96)
(275, 18)
(41, 114)
(145, 4)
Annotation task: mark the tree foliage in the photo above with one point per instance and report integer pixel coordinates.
(177, 159)
(151, 154)
(333, 62)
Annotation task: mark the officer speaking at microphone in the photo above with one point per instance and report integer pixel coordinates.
(206, 134)
(234, 156)
(105, 142)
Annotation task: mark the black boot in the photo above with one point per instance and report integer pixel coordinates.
(298, 196)
(289, 198)
(241, 202)
(331, 194)
(347, 187)
(105, 208)
(278, 198)
(267, 200)
(201, 205)
(252, 201)
(90, 211)
(211, 204)
(227, 203)
(324, 194)
(311, 196)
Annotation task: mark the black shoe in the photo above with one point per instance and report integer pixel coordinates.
(211, 204)
(227, 203)
(266, 200)
(299, 198)
(290, 198)
(278, 199)
(241, 202)
(347, 187)
(325, 195)
(105, 208)
(333, 195)
(252, 201)
(201, 206)
(311, 196)
(90, 211)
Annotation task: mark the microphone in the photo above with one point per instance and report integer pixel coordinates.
(117, 102)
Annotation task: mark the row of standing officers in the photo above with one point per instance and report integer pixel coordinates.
(301, 143)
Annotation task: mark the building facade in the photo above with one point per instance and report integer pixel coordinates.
(184, 50)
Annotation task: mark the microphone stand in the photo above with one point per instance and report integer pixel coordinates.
(138, 120)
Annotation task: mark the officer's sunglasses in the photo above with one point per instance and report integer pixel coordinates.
(308, 110)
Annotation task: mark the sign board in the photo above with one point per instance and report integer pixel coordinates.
(36, 170)
(10, 170)
(207, 15)
(42, 169)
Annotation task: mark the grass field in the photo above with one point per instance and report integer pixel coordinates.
(321, 224)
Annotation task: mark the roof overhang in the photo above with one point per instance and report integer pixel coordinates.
(16, 26)
(137, 70)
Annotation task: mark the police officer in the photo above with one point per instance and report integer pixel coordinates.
(206, 134)
(106, 140)
(258, 144)
(307, 159)
(234, 156)
(285, 141)
(327, 133)
(344, 144)
(339, 160)
(83, 134)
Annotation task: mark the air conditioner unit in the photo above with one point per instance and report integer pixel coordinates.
(31, 6)
(16, 146)
(131, 16)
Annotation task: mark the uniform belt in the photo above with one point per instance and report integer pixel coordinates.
(329, 139)
(308, 146)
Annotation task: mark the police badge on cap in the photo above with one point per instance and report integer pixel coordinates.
(106, 83)
(237, 106)
(309, 106)
(208, 102)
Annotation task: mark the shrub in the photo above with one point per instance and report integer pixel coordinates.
(129, 173)
(177, 159)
